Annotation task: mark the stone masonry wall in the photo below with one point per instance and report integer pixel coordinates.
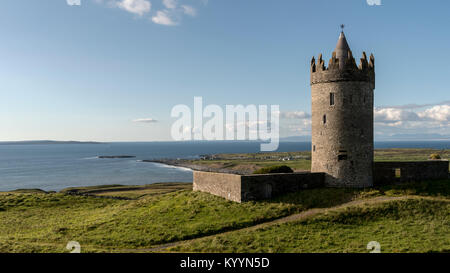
(342, 133)
(256, 187)
(392, 172)
(241, 188)
(221, 184)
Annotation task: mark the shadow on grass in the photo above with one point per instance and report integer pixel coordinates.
(437, 188)
(318, 198)
(330, 197)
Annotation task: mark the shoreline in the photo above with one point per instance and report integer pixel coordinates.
(181, 163)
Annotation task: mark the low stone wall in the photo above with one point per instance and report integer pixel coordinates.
(241, 188)
(394, 172)
(221, 184)
(265, 186)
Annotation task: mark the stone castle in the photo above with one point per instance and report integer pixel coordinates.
(342, 139)
(342, 117)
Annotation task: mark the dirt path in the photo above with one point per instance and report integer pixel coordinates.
(291, 218)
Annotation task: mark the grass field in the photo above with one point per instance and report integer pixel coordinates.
(39, 222)
(35, 221)
(411, 225)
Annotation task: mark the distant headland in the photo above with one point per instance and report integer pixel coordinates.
(41, 142)
(115, 156)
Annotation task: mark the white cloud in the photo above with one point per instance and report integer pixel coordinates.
(374, 2)
(145, 120)
(170, 15)
(416, 106)
(162, 17)
(189, 10)
(295, 115)
(73, 2)
(139, 7)
(409, 119)
(392, 115)
(170, 4)
(437, 113)
(424, 119)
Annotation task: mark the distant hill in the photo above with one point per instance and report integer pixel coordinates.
(40, 142)
(417, 137)
(395, 137)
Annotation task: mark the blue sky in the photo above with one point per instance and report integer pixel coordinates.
(95, 71)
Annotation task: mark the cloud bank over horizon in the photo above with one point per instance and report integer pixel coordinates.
(434, 119)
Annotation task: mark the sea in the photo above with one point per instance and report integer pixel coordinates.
(53, 167)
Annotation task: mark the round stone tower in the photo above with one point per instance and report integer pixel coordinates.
(342, 118)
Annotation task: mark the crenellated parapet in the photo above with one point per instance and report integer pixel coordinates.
(349, 71)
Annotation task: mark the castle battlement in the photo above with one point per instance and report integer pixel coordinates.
(348, 71)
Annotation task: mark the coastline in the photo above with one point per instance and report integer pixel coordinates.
(184, 167)
(113, 169)
(186, 164)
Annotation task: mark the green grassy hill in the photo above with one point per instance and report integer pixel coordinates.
(409, 225)
(167, 217)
